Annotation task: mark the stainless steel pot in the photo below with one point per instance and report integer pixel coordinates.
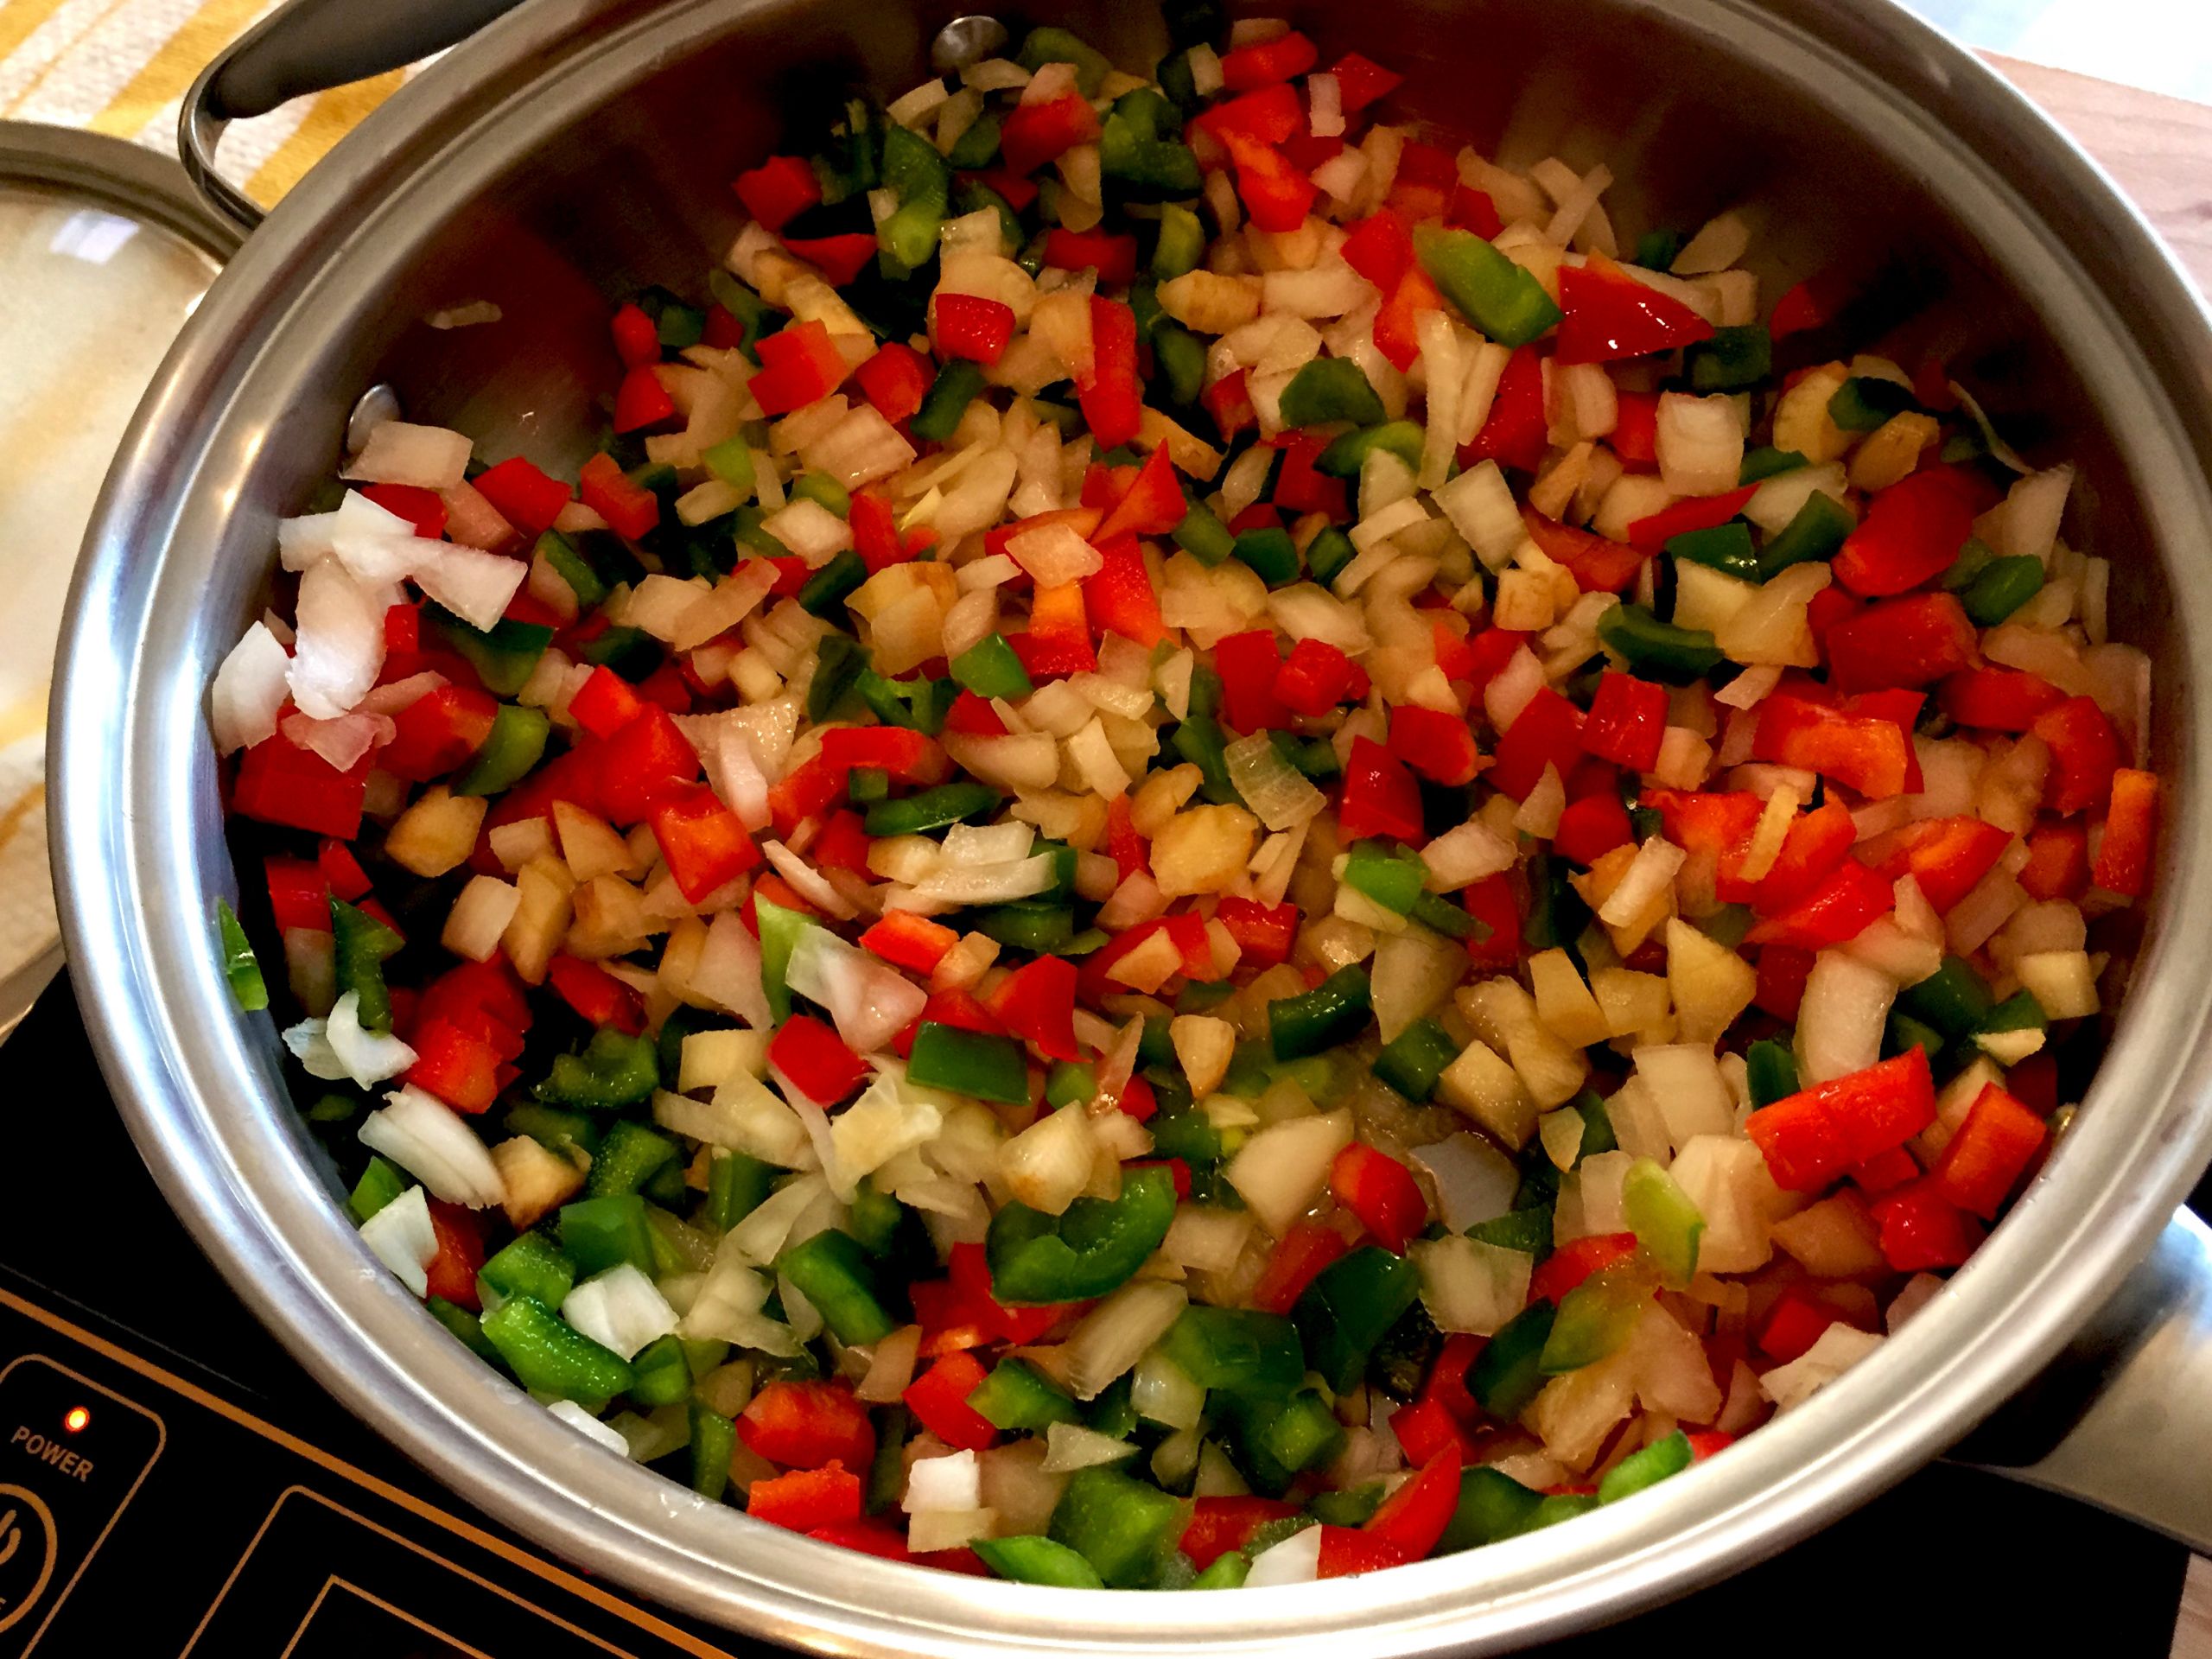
(577, 147)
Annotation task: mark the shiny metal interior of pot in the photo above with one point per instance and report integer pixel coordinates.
(585, 147)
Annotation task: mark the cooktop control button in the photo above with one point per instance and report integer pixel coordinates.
(27, 1552)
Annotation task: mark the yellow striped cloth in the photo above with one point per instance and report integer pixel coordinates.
(121, 68)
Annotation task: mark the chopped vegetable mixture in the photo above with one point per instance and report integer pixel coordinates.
(1215, 848)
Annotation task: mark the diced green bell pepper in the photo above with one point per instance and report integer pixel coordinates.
(1274, 1439)
(730, 460)
(1095, 1247)
(833, 1272)
(1144, 166)
(990, 669)
(978, 145)
(1049, 44)
(1329, 389)
(931, 809)
(1070, 1082)
(558, 551)
(1770, 1071)
(1508, 1375)
(504, 658)
(1655, 649)
(1229, 1571)
(463, 1324)
(1270, 554)
(957, 385)
(1240, 1349)
(1866, 401)
(554, 1128)
(875, 1217)
(1327, 554)
(1528, 1230)
(714, 1441)
(1348, 1306)
(838, 664)
(780, 930)
(1124, 1527)
(921, 180)
(630, 1156)
(664, 1374)
(1901, 1031)
(597, 1234)
(1199, 740)
(1504, 301)
(1975, 556)
(1595, 1318)
(529, 1264)
(824, 593)
(1492, 1507)
(1733, 358)
(1029, 1559)
(379, 1185)
(1412, 1061)
(2002, 587)
(361, 946)
(1026, 924)
(1658, 250)
(1203, 536)
(1394, 881)
(1018, 1397)
(755, 314)
(241, 967)
(614, 1069)
(1815, 531)
(1332, 1012)
(917, 704)
(1665, 1222)
(1350, 1509)
(1725, 548)
(1647, 1467)
(1766, 462)
(549, 1356)
(970, 1062)
(1955, 999)
(1182, 243)
(512, 749)
(1345, 455)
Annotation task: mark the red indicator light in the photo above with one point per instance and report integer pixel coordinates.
(75, 1419)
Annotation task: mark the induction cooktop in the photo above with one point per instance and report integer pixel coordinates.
(172, 1485)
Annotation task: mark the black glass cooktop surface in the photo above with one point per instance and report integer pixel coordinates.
(171, 1484)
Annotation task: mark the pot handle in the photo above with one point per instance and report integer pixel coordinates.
(2122, 1418)
(309, 46)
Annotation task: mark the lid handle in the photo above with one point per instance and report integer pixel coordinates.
(309, 46)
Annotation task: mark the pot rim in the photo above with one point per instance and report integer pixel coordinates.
(135, 873)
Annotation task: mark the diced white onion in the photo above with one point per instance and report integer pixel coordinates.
(1110, 1339)
(398, 452)
(1651, 873)
(870, 1001)
(426, 1138)
(368, 1057)
(249, 688)
(402, 1236)
(620, 1309)
(475, 586)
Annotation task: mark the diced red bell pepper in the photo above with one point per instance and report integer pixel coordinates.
(1382, 1193)
(1349, 1550)
(972, 327)
(1492, 902)
(876, 531)
(2058, 857)
(1983, 1162)
(1118, 597)
(1297, 1260)
(909, 757)
(645, 759)
(437, 732)
(641, 401)
(1362, 81)
(631, 510)
(1247, 664)
(1599, 566)
(1810, 304)
(1798, 1320)
(459, 1067)
(424, 510)
(1113, 403)
(815, 1060)
(452, 1271)
(1911, 532)
(1275, 194)
(349, 880)
(1263, 933)
(1547, 731)
(1869, 754)
(1153, 506)
(1818, 843)
(1683, 518)
(1058, 641)
(596, 995)
(1634, 436)
(2085, 756)
(806, 1500)
(1272, 115)
(1840, 909)
(1129, 850)
(1486, 656)
(1885, 1171)
(839, 258)
(1997, 699)
(1228, 401)
(1627, 722)
(1438, 746)
(1380, 797)
(1518, 431)
(2123, 864)
(1301, 485)
(842, 844)
(1473, 210)
(299, 894)
(1591, 828)
(908, 941)
(1945, 856)
(1609, 316)
(800, 364)
(1718, 822)
(1782, 972)
(482, 996)
(804, 1425)
(971, 716)
(1575, 1261)
(1113, 255)
(637, 336)
(1413, 1518)
(403, 629)
(1266, 63)
(804, 792)
(706, 845)
(1380, 249)
(1914, 641)
(895, 380)
(1426, 1429)
(779, 190)
(1314, 678)
(1817, 1134)
(938, 1399)
(279, 783)
(604, 704)
(1036, 1002)
(1034, 133)
(1922, 1229)
(1218, 1525)
(524, 495)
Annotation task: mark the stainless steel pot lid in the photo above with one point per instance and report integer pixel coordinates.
(104, 252)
